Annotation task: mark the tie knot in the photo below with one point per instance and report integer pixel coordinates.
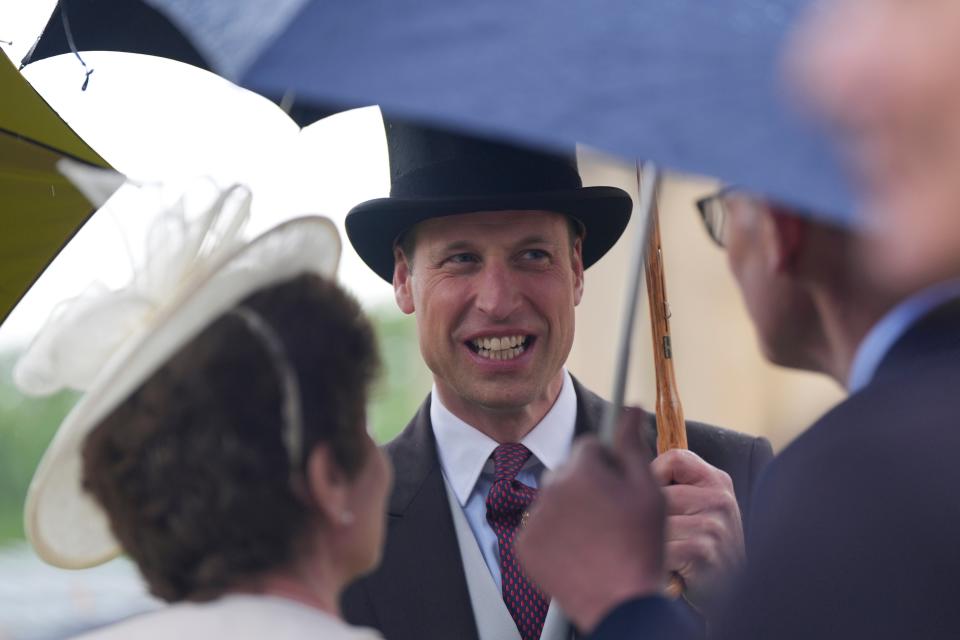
(508, 459)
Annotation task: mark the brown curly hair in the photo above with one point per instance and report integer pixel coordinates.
(191, 469)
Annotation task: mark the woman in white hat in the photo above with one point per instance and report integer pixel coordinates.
(221, 439)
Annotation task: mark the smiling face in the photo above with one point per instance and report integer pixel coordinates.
(494, 296)
(883, 73)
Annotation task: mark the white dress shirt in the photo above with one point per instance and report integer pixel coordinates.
(465, 460)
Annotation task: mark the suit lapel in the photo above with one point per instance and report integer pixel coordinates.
(420, 590)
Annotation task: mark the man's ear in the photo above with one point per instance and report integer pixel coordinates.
(577, 258)
(790, 232)
(328, 485)
(402, 281)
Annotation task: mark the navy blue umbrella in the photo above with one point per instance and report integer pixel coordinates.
(691, 84)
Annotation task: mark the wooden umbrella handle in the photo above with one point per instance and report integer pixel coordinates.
(671, 428)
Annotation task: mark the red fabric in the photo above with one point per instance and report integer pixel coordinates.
(507, 501)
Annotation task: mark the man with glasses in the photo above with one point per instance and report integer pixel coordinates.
(855, 525)
(811, 304)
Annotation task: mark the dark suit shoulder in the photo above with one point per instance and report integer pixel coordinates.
(725, 444)
(856, 513)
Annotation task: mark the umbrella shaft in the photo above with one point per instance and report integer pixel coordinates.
(648, 180)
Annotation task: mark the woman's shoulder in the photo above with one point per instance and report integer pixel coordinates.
(236, 617)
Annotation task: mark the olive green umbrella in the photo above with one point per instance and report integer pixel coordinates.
(40, 209)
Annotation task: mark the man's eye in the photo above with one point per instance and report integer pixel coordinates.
(462, 258)
(535, 254)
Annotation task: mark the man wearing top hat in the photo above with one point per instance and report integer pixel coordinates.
(487, 245)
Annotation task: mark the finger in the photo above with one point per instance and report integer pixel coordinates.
(682, 466)
(683, 499)
(686, 557)
(679, 528)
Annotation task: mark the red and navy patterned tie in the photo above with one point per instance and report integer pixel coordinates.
(507, 501)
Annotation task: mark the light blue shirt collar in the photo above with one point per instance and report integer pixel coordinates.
(881, 338)
(463, 450)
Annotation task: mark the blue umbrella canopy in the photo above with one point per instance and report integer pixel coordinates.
(692, 85)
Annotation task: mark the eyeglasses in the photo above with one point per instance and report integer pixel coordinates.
(713, 212)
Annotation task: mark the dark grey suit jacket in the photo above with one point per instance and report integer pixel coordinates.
(420, 590)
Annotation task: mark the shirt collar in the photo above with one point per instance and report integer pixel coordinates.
(464, 450)
(891, 327)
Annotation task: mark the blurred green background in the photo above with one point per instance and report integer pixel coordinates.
(27, 424)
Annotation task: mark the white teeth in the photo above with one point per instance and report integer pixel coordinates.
(502, 348)
(498, 344)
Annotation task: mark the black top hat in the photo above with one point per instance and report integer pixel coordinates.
(435, 174)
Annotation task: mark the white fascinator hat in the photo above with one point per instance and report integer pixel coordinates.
(106, 343)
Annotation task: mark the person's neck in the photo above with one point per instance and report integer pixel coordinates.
(845, 319)
(303, 583)
(503, 424)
